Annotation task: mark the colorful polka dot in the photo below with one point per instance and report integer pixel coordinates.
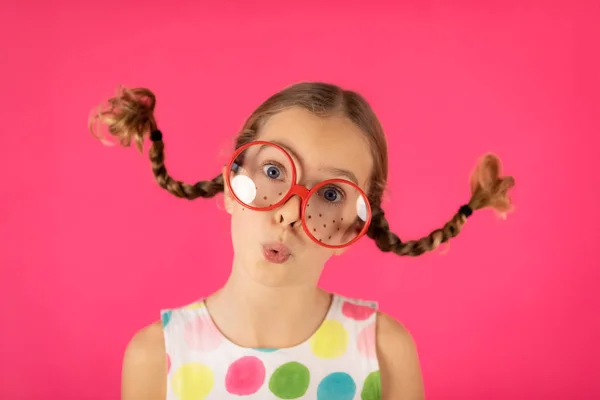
(366, 341)
(372, 387)
(336, 386)
(356, 311)
(330, 340)
(290, 381)
(256, 372)
(192, 381)
(202, 335)
(245, 376)
(166, 317)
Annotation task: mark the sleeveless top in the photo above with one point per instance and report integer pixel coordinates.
(338, 362)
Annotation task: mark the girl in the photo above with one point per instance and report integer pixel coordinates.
(304, 182)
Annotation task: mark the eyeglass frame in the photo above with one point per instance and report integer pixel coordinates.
(298, 190)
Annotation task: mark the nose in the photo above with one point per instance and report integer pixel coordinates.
(289, 212)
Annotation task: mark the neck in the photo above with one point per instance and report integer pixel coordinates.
(255, 315)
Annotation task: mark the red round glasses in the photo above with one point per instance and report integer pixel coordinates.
(262, 176)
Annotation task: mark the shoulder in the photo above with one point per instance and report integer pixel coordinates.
(393, 335)
(144, 368)
(398, 360)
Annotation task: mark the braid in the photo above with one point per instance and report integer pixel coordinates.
(488, 189)
(129, 116)
(388, 241)
(177, 188)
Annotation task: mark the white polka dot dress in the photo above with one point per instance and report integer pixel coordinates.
(338, 362)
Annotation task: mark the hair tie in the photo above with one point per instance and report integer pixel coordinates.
(466, 210)
(156, 135)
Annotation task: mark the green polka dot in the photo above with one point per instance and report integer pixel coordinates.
(290, 381)
(372, 387)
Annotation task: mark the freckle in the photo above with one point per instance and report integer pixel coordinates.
(338, 229)
(329, 237)
(270, 205)
(309, 217)
(308, 205)
(320, 240)
(265, 197)
(320, 215)
(334, 221)
(314, 229)
(324, 226)
(341, 219)
(280, 194)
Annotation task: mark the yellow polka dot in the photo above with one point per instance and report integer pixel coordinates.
(194, 306)
(330, 340)
(192, 381)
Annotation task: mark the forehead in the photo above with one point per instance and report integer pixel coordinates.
(321, 143)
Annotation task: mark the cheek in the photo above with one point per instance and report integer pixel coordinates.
(245, 222)
(314, 251)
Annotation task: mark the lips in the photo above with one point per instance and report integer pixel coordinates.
(276, 253)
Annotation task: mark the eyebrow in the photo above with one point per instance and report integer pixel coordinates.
(332, 170)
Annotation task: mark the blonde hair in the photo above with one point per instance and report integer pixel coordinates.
(129, 116)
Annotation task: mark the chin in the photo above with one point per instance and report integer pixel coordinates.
(272, 275)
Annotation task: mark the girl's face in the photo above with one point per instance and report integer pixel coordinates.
(321, 149)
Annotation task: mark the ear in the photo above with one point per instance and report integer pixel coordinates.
(227, 198)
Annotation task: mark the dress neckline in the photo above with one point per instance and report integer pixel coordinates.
(333, 305)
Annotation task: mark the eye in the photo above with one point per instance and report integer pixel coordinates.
(272, 171)
(332, 194)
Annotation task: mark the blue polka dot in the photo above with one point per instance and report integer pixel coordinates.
(166, 317)
(336, 386)
(265, 350)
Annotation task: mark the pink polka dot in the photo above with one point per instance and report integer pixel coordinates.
(245, 376)
(202, 335)
(357, 312)
(168, 363)
(366, 341)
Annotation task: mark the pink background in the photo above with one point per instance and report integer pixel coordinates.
(92, 248)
